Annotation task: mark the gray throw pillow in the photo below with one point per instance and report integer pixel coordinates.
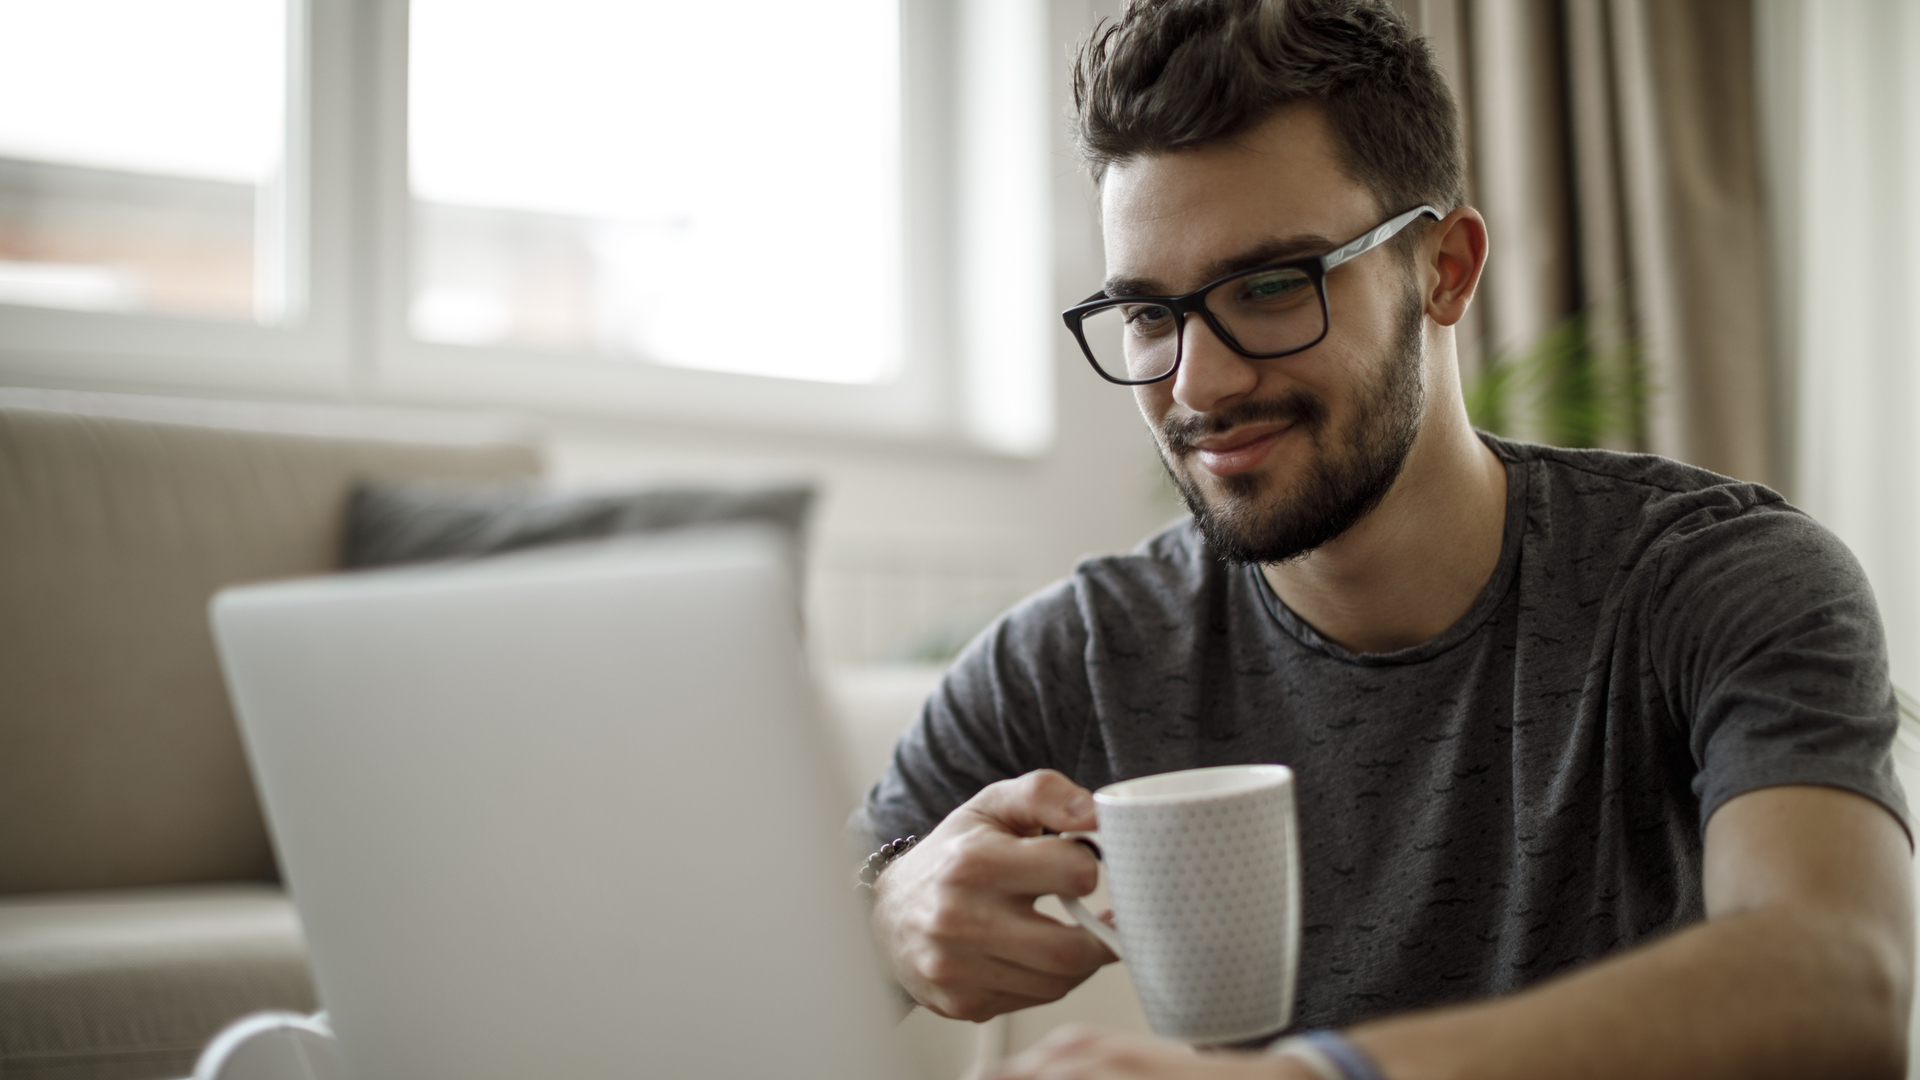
(391, 523)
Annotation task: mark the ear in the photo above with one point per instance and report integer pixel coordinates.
(1455, 252)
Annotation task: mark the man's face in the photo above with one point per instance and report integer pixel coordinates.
(1274, 457)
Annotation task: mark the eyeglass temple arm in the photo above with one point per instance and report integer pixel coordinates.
(1374, 237)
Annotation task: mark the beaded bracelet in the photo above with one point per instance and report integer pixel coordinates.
(1329, 1055)
(878, 861)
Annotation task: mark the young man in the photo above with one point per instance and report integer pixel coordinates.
(1592, 748)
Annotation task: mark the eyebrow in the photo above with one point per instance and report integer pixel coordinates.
(1270, 251)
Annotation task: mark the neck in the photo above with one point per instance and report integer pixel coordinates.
(1416, 564)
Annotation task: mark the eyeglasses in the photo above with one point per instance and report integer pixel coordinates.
(1272, 310)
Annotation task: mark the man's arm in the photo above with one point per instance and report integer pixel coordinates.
(1803, 967)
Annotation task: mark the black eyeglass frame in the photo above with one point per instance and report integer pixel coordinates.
(1195, 302)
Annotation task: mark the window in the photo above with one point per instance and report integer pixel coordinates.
(626, 192)
(143, 169)
(759, 213)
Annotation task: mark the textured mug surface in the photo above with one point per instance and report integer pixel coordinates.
(1203, 869)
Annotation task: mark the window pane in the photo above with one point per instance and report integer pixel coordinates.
(141, 149)
(701, 185)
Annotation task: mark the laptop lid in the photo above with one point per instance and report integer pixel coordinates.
(561, 813)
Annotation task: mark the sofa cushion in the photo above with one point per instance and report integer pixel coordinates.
(120, 764)
(132, 984)
(410, 522)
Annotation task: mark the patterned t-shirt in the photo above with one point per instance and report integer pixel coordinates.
(1521, 794)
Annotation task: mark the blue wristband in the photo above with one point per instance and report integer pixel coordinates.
(1351, 1062)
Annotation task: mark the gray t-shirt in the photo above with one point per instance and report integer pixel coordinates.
(1521, 794)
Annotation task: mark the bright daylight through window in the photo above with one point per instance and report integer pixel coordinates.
(141, 157)
(599, 178)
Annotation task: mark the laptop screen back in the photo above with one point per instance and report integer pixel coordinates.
(564, 813)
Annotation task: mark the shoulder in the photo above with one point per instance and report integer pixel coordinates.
(1711, 565)
(1155, 584)
(1160, 577)
(1650, 509)
(1646, 479)
(1020, 695)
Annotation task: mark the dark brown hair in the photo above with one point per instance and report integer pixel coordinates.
(1171, 74)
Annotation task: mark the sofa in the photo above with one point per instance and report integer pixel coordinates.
(139, 904)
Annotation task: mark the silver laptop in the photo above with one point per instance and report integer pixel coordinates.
(566, 814)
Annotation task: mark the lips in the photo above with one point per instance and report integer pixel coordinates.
(1243, 435)
(1240, 449)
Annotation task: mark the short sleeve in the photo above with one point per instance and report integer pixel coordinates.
(1015, 700)
(1768, 643)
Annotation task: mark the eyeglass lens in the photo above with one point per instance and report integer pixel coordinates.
(1266, 312)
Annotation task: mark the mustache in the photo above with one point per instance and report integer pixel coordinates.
(1295, 407)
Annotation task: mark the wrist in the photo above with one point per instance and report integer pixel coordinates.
(1327, 1055)
(875, 888)
(869, 871)
(872, 886)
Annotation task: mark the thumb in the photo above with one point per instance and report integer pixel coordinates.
(1041, 801)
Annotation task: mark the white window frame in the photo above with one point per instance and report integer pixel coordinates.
(307, 357)
(977, 173)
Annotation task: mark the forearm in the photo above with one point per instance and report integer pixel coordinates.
(1755, 994)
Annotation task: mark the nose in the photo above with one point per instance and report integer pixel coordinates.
(1211, 374)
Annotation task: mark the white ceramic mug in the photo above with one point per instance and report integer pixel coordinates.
(1203, 867)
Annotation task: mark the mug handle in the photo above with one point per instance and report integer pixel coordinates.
(1108, 935)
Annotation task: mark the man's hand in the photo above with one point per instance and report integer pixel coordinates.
(1073, 1052)
(956, 916)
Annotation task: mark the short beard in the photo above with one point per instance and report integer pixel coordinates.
(1338, 490)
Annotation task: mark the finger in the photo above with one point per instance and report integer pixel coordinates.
(981, 988)
(976, 1006)
(1067, 1050)
(1041, 800)
(956, 970)
(1032, 986)
(1084, 1052)
(1038, 866)
(1044, 945)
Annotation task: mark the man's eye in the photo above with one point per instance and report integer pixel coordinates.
(1147, 318)
(1274, 287)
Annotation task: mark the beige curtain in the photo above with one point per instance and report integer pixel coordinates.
(1612, 149)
